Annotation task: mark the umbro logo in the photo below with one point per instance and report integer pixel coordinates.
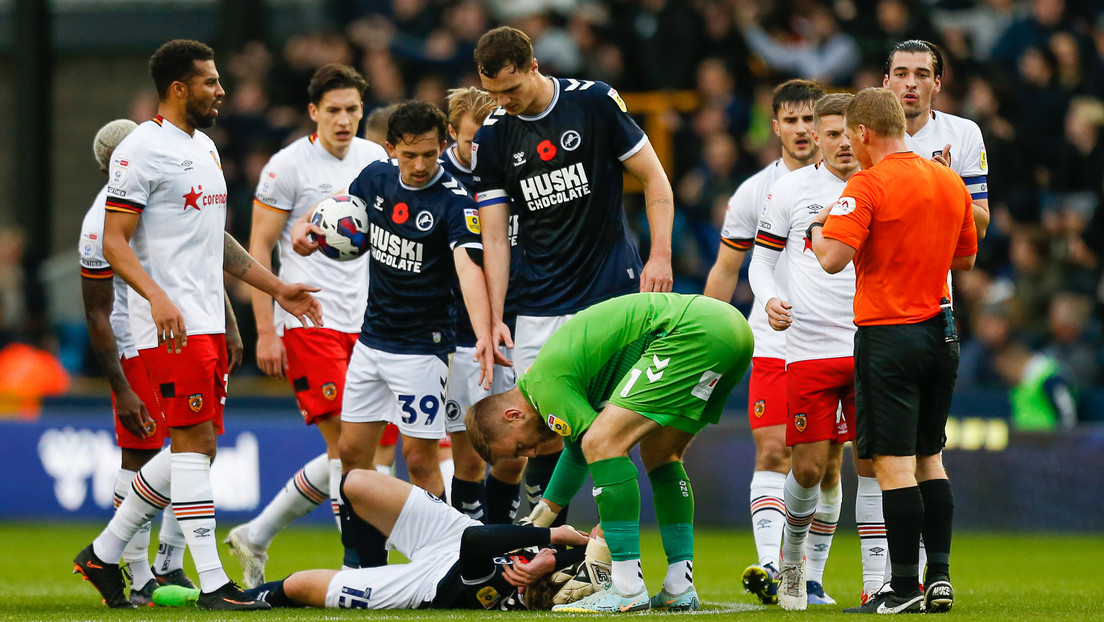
(187, 165)
(814, 208)
(327, 188)
(202, 532)
(519, 158)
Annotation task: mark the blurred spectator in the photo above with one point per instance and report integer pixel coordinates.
(992, 329)
(665, 46)
(1043, 399)
(1037, 279)
(821, 50)
(1034, 30)
(1071, 339)
(1042, 105)
(555, 50)
(981, 24)
(702, 197)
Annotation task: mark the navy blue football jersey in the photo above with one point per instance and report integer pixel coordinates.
(465, 336)
(562, 169)
(413, 233)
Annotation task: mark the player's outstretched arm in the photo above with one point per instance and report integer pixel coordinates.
(659, 203)
(118, 229)
(99, 296)
(494, 222)
(294, 298)
(267, 225)
(474, 289)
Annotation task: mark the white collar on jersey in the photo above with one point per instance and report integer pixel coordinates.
(551, 104)
(450, 153)
(440, 172)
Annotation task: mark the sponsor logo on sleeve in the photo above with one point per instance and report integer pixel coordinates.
(559, 426)
(844, 206)
(984, 162)
(471, 219)
(487, 597)
(617, 98)
(120, 166)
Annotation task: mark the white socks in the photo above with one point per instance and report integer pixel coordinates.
(821, 532)
(872, 533)
(306, 490)
(194, 506)
(801, 504)
(335, 490)
(628, 578)
(680, 577)
(170, 551)
(136, 553)
(149, 495)
(768, 514)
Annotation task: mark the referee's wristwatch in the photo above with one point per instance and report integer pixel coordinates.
(809, 229)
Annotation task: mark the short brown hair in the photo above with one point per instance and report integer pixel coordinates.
(416, 117)
(796, 92)
(879, 110)
(501, 48)
(334, 76)
(831, 104)
(469, 101)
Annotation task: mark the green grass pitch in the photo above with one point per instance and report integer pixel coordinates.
(997, 577)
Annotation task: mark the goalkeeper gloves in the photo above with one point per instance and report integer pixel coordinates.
(541, 516)
(585, 578)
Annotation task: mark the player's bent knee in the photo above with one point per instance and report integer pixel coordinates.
(309, 587)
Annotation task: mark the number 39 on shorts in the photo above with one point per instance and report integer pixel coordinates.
(422, 410)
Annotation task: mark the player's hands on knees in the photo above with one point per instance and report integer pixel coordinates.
(170, 324)
(133, 415)
(778, 314)
(657, 275)
(304, 237)
(521, 574)
(296, 299)
(271, 355)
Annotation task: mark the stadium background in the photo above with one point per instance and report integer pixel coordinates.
(698, 74)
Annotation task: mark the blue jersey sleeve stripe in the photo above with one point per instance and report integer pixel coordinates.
(634, 150)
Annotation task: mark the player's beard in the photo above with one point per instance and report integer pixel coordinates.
(199, 116)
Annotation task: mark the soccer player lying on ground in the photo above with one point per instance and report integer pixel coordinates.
(660, 367)
(456, 562)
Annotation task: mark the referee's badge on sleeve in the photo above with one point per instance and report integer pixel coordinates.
(844, 206)
(471, 219)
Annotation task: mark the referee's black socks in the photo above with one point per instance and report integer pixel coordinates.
(903, 509)
(938, 516)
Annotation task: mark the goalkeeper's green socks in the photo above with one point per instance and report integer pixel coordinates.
(673, 498)
(617, 494)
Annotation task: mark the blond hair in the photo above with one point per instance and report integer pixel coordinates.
(469, 101)
(481, 421)
(878, 110)
(831, 105)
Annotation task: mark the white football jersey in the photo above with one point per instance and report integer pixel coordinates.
(295, 180)
(95, 266)
(174, 182)
(740, 224)
(823, 304)
(967, 149)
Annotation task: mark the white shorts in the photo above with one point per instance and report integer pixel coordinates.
(405, 389)
(464, 389)
(531, 333)
(428, 533)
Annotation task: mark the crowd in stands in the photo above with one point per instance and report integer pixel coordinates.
(1029, 72)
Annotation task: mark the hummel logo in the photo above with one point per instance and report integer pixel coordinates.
(519, 158)
(379, 203)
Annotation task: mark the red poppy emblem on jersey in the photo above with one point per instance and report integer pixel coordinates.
(546, 150)
(401, 213)
(800, 421)
(192, 198)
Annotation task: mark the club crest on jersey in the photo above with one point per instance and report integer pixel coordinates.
(424, 221)
(471, 219)
(436, 336)
(800, 422)
(546, 150)
(195, 402)
(570, 140)
(617, 98)
(559, 426)
(487, 597)
(844, 206)
(760, 408)
(329, 391)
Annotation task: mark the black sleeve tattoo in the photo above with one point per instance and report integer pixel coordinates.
(235, 260)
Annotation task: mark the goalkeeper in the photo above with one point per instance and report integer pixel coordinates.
(455, 562)
(649, 369)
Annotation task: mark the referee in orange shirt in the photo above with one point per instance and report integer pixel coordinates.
(905, 221)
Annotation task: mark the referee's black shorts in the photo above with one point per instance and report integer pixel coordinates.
(904, 378)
